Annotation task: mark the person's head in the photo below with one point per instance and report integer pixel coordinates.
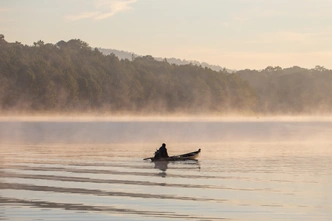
(164, 145)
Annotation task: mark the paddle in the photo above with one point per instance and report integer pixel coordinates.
(149, 158)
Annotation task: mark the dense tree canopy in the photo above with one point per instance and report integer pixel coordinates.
(71, 76)
(291, 90)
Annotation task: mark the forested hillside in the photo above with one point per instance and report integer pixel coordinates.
(291, 90)
(71, 76)
(130, 56)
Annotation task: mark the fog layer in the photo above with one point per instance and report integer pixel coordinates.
(152, 130)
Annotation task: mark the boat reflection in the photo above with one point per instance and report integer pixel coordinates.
(162, 166)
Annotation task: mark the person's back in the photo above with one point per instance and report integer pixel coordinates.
(163, 151)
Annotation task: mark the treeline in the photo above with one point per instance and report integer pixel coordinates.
(72, 76)
(292, 90)
(130, 56)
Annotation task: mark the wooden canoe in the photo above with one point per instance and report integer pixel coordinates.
(182, 157)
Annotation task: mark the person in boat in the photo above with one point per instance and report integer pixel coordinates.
(161, 152)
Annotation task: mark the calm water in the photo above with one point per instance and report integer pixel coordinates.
(93, 170)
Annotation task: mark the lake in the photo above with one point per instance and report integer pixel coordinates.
(93, 169)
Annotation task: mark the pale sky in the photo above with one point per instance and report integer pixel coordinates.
(235, 34)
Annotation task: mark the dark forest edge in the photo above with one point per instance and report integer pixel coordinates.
(72, 77)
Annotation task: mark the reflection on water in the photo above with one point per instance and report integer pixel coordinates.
(92, 208)
(161, 165)
(232, 181)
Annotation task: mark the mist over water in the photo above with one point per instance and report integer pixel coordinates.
(156, 130)
(93, 169)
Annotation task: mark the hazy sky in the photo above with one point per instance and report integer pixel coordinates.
(235, 34)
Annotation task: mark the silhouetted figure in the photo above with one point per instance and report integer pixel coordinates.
(161, 152)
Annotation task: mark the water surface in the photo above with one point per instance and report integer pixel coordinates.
(257, 170)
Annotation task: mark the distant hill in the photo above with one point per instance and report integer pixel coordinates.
(122, 55)
(73, 77)
(128, 55)
(291, 90)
